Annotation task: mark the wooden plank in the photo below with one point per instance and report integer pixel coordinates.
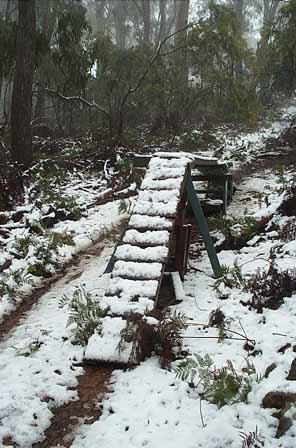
(207, 177)
(141, 161)
(188, 236)
(203, 227)
(225, 196)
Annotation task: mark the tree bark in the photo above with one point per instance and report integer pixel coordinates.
(21, 104)
(269, 13)
(239, 11)
(120, 13)
(162, 26)
(147, 20)
(180, 38)
(182, 18)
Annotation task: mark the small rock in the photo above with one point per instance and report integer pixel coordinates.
(278, 400)
(5, 264)
(285, 424)
(292, 373)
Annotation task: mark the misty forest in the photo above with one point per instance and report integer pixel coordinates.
(147, 223)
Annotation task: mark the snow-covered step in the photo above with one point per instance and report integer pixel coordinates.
(131, 289)
(105, 347)
(187, 157)
(163, 184)
(165, 172)
(134, 253)
(153, 208)
(150, 237)
(124, 305)
(149, 222)
(159, 196)
(136, 270)
(160, 162)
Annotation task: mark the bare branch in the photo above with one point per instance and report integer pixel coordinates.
(76, 98)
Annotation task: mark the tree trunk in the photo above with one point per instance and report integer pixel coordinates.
(119, 12)
(21, 104)
(147, 20)
(269, 13)
(239, 8)
(182, 18)
(162, 26)
(180, 39)
(100, 6)
(181, 65)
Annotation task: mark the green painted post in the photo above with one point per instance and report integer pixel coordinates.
(203, 227)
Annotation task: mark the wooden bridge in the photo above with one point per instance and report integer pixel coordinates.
(157, 240)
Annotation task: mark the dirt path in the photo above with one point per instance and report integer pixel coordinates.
(44, 390)
(92, 386)
(70, 272)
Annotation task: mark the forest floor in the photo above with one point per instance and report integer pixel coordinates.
(49, 398)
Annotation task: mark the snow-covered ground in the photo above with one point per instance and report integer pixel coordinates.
(38, 361)
(150, 407)
(99, 221)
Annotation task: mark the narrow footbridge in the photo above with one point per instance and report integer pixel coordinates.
(156, 243)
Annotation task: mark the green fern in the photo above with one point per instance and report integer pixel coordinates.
(231, 277)
(11, 282)
(85, 313)
(60, 239)
(21, 245)
(219, 386)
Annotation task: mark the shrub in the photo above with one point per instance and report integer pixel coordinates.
(219, 386)
(46, 253)
(161, 336)
(288, 231)
(269, 288)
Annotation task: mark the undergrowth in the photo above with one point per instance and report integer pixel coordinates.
(237, 231)
(43, 252)
(219, 386)
(11, 283)
(158, 333)
(268, 288)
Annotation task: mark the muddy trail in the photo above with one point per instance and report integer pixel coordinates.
(70, 272)
(92, 386)
(38, 320)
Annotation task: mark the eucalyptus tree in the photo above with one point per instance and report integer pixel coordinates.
(21, 103)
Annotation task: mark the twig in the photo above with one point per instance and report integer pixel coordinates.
(213, 337)
(201, 415)
(281, 334)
